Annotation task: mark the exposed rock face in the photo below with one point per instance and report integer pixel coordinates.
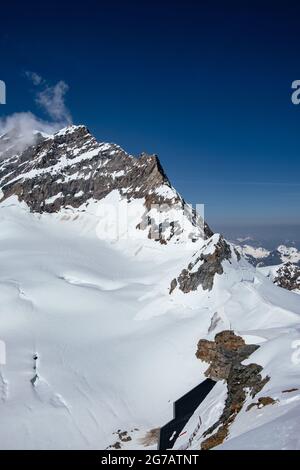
(215, 320)
(71, 168)
(123, 438)
(261, 402)
(151, 437)
(75, 167)
(202, 270)
(288, 276)
(290, 390)
(225, 356)
(238, 255)
(227, 350)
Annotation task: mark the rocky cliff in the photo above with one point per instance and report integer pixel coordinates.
(204, 266)
(225, 356)
(71, 168)
(288, 276)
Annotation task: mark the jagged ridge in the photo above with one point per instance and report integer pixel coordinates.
(70, 168)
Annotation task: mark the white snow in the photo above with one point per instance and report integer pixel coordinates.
(117, 174)
(255, 252)
(166, 192)
(205, 415)
(289, 254)
(68, 130)
(51, 199)
(61, 164)
(115, 348)
(74, 299)
(271, 272)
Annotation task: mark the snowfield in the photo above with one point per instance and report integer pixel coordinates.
(79, 303)
(114, 349)
(97, 337)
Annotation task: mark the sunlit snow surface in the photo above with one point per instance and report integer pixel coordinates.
(114, 348)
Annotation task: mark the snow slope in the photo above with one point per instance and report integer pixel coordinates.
(285, 275)
(106, 330)
(79, 303)
(94, 340)
(279, 354)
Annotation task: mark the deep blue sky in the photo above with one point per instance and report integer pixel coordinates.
(205, 85)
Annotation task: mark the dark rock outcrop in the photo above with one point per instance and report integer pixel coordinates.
(225, 356)
(261, 402)
(288, 276)
(71, 167)
(151, 437)
(227, 350)
(290, 390)
(209, 265)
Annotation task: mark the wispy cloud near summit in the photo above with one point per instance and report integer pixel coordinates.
(34, 77)
(51, 99)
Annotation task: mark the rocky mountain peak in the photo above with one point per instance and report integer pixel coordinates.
(71, 168)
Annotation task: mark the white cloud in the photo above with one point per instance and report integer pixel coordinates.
(34, 77)
(52, 100)
(26, 122)
(25, 126)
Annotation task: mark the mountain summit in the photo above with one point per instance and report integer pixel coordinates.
(72, 169)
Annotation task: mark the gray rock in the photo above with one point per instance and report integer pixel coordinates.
(225, 356)
(71, 167)
(288, 276)
(209, 265)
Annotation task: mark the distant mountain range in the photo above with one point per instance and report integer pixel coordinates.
(260, 256)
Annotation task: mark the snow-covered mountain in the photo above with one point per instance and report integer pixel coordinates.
(72, 170)
(289, 254)
(282, 265)
(108, 282)
(260, 256)
(286, 275)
